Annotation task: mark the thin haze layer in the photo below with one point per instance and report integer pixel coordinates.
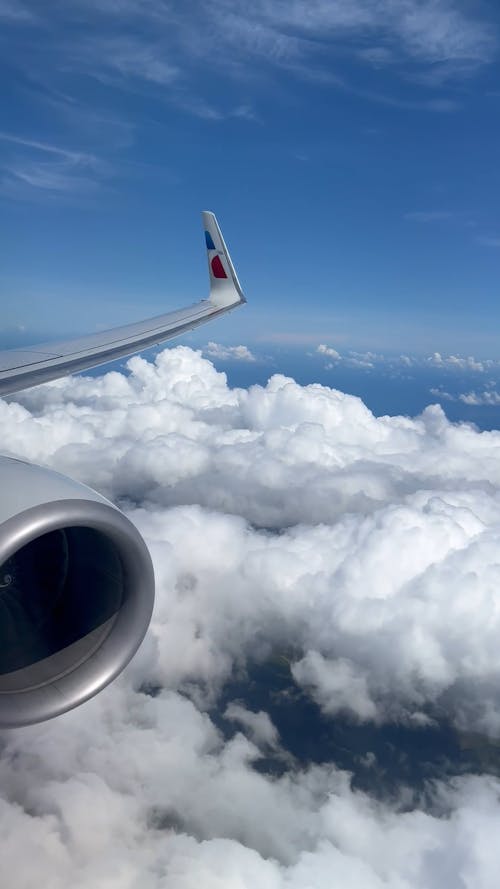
(284, 518)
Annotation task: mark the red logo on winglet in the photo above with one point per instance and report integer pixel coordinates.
(217, 268)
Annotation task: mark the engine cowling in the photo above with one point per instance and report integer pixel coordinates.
(76, 592)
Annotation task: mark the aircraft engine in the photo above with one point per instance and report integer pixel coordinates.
(76, 592)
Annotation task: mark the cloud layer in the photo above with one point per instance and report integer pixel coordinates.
(280, 519)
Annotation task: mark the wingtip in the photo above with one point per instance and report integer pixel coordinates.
(225, 288)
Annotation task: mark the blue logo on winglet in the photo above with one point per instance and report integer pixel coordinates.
(209, 241)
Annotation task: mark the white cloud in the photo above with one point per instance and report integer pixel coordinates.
(457, 363)
(435, 31)
(363, 359)
(328, 351)
(229, 353)
(76, 157)
(336, 685)
(351, 489)
(259, 725)
(432, 42)
(351, 359)
(280, 518)
(489, 396)
(50, 169)
(432, 31)
(442, 394)
(152, 796)
(127, 56)
(15, 12)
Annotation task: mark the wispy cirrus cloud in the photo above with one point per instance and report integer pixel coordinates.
(12, 11)
(436, 39)
(433, 31)
(65, 153)
(126, 57)
(50, 169)
(162, 44)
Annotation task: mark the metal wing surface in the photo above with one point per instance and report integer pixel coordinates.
(22, 368)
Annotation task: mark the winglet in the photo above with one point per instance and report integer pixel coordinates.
(225, 289)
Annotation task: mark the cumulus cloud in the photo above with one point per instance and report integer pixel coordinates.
(489, 396)
(259, 725)
(323, 349)
(457, 363)
(363, 359)
(436, 361)
(281, 519)
(442, 394)
(336, 685)
(229, 353)
(351, 359)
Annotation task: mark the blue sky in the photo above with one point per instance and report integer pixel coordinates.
(349, 149)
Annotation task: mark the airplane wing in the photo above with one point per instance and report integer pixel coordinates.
(22, 368)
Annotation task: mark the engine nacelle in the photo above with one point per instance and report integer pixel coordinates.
(76, 592)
